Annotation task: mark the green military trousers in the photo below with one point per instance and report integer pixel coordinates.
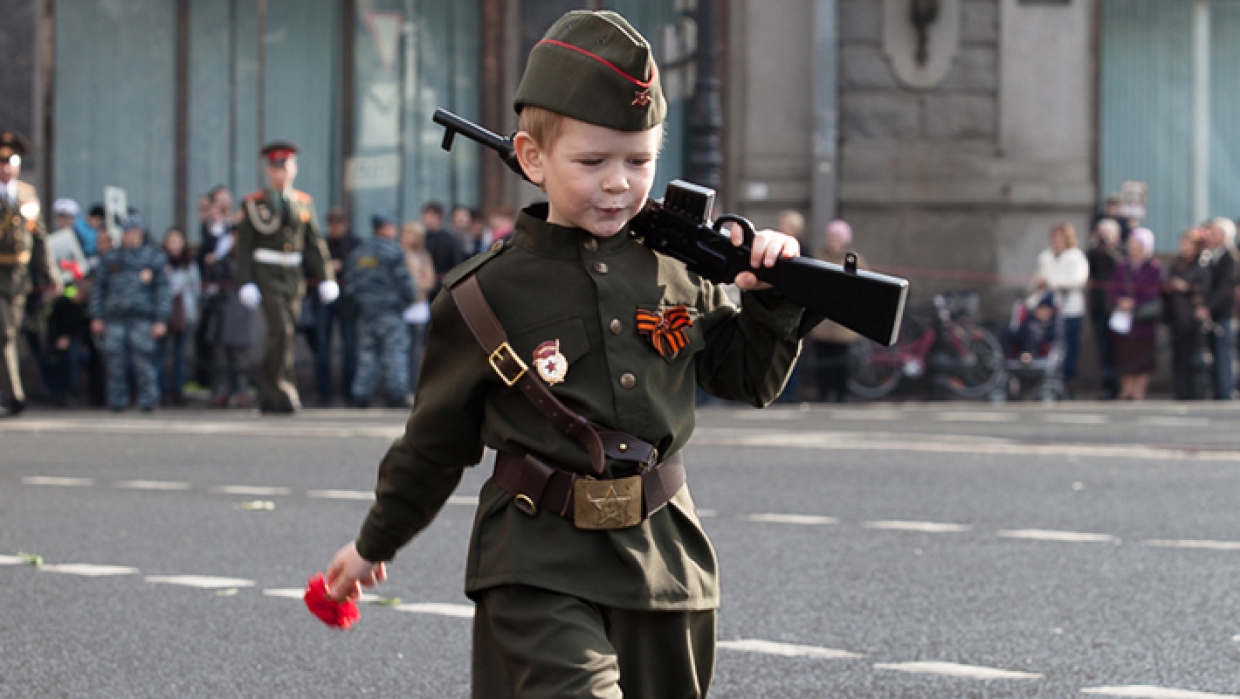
(531, 643)
(11, 308)
(277, 383)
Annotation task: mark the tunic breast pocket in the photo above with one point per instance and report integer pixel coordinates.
(549, 348)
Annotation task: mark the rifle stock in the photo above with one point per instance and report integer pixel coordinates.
(868, 303)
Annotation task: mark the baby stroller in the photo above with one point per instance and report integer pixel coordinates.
(1034, 349)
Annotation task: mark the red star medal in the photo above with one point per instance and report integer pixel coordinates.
(641, 98)
(552, 366)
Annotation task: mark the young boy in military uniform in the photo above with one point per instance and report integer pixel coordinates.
(130, 304)
(575, 353)
(379, 282)
(24, 259)
(277, 235)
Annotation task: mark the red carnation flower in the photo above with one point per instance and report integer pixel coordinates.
(341, 615)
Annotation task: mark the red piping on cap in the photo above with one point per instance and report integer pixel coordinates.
(643, 85)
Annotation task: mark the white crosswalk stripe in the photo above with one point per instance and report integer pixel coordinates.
(972, 672)
(1149, 692)
(1064, 537)
(205, 582)
(88, 570)
(788, 650)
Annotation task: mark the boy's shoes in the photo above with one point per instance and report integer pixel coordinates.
(13, 408)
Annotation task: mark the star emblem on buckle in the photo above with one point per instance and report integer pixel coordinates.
(611, 506)
(641, 98)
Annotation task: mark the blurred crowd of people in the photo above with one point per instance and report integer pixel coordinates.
(122, 301)
(184, 302)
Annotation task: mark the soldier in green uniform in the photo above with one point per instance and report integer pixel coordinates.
(278, 234)
(575, 352)
(24, 258)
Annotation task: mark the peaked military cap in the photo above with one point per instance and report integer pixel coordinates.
(12, 144)
(594, 67)
(383, 217)
(277, 152)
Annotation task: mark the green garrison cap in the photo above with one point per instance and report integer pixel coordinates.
(594, 67)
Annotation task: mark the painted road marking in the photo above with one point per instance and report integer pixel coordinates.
(790, 519)
(204, 582)
(285, 592)
(1076, 419)
(249, 490)
(927, 527)
(703, 514)
(1143, 691)
(863, 415)
(342, 494)
(977, 417)
(1193, 544)
(1169, 421)
(88, 570)
(59, 482)
(10, 560)
(153, 485)
(1047, 535)
(460, 611)
(787, 650)
(770, 415)
(972, 672)
(468, 500)
(947, 444)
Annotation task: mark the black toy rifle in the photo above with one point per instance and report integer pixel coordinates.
(679, 226)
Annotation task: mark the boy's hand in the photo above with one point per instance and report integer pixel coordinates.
(158, 330)
(768, 246)
(97, 326)
(348, 573)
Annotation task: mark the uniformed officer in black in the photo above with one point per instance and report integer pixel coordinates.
(279, 232)
(24, 260)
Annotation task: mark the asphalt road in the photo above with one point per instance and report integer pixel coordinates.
(888, 551)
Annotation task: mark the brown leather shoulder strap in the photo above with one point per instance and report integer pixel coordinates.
(513, 371)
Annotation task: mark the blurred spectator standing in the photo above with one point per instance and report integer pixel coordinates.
(65, 242)
(1103, 256)
(185, 285)
(342, 313)
(380, 283)
(217, 218)
(1187, 314)
(129, 305)
(482, 234)
(417, 315)
(1221, 299)
(463, 229)
(229, 330)
(25, 264)
(1063, 271)
(1135, 297)
(444, 248)
(793, 223)
(830, 342)
(501, 222)
(70, 347)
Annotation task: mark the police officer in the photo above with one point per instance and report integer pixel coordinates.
(130, 304)
(379, 282)
(278, 233)
(24, 258)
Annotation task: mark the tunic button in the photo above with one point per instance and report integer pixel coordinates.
(590, 245)
(616, 326)
(600, 267)
(628, 380)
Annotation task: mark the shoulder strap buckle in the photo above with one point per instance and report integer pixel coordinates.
(502, 357)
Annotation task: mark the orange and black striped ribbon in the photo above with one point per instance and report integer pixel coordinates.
(666, 331)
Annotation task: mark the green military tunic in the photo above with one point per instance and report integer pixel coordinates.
(23, 254)
(276, 237)
(550, 283)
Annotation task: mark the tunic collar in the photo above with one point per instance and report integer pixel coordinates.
(533, 233)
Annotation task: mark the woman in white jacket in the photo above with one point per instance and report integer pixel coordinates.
(1064, 271)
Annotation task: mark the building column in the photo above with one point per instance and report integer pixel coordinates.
(824, 91)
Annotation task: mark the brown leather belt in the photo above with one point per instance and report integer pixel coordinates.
(591, 503)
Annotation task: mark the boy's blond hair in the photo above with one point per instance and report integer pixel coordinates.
(543, 125)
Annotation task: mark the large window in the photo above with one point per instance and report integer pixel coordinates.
(1169, 99)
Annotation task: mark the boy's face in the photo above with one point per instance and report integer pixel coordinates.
(596, 178)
